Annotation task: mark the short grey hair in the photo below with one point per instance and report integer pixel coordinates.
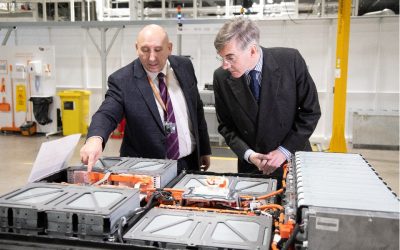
(244, 30)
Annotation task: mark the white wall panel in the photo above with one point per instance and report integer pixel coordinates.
(324, 124)
(387, 101)
(26, 36)
(364, 59)
(316, 33)
(273, 33)
(201, 50)
(389, 58)
(71, 75)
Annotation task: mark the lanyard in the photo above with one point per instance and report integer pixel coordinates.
(157, 94)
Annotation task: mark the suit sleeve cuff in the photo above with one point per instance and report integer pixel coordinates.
(95, 136)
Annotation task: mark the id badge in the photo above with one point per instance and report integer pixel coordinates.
(170, 128)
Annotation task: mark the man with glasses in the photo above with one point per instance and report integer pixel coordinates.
(266, 101)
(157, 94)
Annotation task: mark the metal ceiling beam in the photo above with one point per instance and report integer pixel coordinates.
(8, 33)
(103, 51)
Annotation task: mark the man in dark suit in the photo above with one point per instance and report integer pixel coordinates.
(157, 94)
(266, 101)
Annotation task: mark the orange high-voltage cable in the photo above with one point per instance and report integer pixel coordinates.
(144, 180)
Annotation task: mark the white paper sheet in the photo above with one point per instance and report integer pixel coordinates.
(53, 156)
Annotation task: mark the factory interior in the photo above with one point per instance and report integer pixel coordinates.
(55, 59)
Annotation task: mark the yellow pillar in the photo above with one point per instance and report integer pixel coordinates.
(338, 141)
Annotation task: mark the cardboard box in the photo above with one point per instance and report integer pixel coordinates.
(28, 128)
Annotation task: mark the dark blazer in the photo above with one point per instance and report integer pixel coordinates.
(287, 114)
(130, 96)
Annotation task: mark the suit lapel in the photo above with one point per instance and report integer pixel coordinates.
(182, 77)
(271, 80)
(143, 85)
(244, 97)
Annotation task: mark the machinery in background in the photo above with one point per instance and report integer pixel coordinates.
(322, 201)
(207, 96)
(107, 10)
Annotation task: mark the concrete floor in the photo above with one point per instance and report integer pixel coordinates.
(17, 154)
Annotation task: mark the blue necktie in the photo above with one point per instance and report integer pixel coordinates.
(172, 138)
(254, 85)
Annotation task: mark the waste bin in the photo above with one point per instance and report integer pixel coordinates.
(74, 111)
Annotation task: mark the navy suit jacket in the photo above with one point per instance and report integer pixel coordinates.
(286, 116)
(130, 96)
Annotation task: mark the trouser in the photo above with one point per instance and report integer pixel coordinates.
(188, 162)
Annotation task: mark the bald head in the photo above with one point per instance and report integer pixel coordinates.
(153, 47)
(152, 30)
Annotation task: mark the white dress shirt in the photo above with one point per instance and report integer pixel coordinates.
(183, 123)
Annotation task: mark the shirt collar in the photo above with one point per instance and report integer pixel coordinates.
(259, 64)
(153, 76)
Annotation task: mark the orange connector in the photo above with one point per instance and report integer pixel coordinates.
(286, 229)
(125, 179)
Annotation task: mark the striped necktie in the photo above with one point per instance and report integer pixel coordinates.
(169, 118)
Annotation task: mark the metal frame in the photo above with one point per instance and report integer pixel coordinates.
(43, 2)
(103, 51)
